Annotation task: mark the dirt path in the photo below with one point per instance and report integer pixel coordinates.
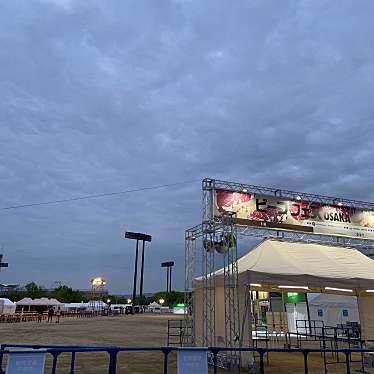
(138, 330)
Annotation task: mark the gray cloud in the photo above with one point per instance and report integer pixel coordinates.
(103, 96)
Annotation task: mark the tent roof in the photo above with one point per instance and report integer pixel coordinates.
(154, 305)
(76, 305)
(7, 301)
(42, 301)
(299, 264)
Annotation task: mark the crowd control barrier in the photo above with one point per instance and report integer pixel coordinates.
(56, 350)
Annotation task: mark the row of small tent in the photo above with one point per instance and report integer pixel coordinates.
(27, 304)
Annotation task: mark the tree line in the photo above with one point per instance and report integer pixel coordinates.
(66, 294)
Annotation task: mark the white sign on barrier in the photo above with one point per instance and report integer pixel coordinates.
(28, 362)
(192, 360)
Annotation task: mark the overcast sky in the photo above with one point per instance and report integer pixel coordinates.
(100, 96)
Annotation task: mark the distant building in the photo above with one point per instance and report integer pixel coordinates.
(89, 292)
(7, 288)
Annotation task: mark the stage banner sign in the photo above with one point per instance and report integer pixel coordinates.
(295, 215)
(192, 361)
(28, 362)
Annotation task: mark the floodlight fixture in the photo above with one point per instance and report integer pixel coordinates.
(98, 282)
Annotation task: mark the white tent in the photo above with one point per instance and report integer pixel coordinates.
(38, 302)
(334, 309)
(331, 310)
(274, 263)
(7, 306)
(280, 265)
(97, 305)
(75, 306)
(154, 305)
(28, 304)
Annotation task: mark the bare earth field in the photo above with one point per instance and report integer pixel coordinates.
(138, 330)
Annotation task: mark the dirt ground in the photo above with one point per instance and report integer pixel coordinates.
(138, 330)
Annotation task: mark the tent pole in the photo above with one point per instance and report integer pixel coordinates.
(308, 312)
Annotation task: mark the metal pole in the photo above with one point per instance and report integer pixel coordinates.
(167, 279)
(135, 275)
(308, 312)
(171, 268)
(142, 273)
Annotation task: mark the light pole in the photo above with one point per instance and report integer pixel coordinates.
(168, 265)
(97, 285)
(145, 238)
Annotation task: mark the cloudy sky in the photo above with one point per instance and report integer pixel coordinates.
(99, 96)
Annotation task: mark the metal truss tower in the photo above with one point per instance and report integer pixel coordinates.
(214, 243)
(231, 292)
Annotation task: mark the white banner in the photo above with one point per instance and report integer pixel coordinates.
(192, 361)
(28, 362)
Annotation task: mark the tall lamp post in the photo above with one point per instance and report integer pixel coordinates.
(97, 285)
(144, 238)
(168, 265)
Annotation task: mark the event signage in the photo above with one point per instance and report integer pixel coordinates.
(192, 360)
(28, 362)
(295, 215)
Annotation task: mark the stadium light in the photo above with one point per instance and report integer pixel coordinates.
(168, 265)
(98, 282)
(144, 238)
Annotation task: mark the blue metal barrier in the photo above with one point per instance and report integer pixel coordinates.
(56, 350)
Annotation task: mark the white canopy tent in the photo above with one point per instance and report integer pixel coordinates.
(27, 304)
(38, 302)
(274, 263)
(97, 305)
(7, 306)
(331, 310)
(154, 305)
(280, 265)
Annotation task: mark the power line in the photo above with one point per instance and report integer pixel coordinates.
(94, 196)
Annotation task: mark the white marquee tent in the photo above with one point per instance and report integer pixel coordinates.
(280, 265)
(7, 306)
(28, 304)
(331, 310)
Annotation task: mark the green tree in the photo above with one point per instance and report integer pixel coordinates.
(66, 294)
(171, 298)
(34, 291)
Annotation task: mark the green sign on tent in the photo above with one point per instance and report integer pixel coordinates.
(295, 297)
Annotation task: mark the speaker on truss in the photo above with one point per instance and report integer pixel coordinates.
(208, 245)
(221, 246)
